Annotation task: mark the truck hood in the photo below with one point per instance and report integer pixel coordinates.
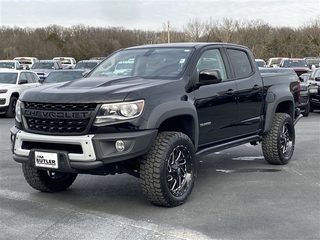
(93, 89)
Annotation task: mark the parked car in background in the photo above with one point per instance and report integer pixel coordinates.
(26, 62)
(312, 61)
(97, 58)
(261, 62)
(304, 99)
(304, 77)
(314, 96)
(314, 88)
(274, 62)
(44, 67)
(64, 75)
(10, 64)
(87, 64)
(299, 65)
(123, 67)
(12, 84)
(315, 73)
(67, 62)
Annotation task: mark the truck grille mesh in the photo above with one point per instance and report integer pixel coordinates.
(47, 124)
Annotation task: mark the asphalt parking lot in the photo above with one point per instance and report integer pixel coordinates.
(237, 195)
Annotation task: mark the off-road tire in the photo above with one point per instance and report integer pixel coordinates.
(278, 143)
(11, 111)
(168, 170)
(47, 181)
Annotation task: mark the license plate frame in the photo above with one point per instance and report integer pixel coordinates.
(313, 89)
(46, 159)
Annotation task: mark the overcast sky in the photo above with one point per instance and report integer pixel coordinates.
(151, 14)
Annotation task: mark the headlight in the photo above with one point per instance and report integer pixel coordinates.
(3, 90)
(113, 112)
(18, 110)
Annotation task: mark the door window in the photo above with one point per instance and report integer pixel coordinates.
(240, 63)
(23, 76)
(211, 59)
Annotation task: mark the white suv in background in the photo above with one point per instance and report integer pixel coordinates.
(12, 84)
(26, 62)
(67, 62)
(10, 64)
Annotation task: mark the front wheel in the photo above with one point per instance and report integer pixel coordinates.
(11, 112)
(278, 143)
(168, 170)
(306, 111)
(311, 109)
(47, 181)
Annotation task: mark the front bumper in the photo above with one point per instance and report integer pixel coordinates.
(84, 152)
(4, 102)
(4, 109)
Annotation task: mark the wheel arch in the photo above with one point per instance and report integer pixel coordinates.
(15, 94)
(176, 116)
(276, 103)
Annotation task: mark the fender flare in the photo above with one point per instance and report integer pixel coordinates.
(274, 97)
(168, 110)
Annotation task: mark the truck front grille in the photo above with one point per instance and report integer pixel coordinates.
(57, 118)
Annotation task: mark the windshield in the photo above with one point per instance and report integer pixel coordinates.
(25, 61)
(275, 61)
(150, 62)
(8, 78)
(6, 65)
(260, 63)
(87, 65)
(313, 61)
(295, 63)
(66, 61)
(57, 76)
(42, 65)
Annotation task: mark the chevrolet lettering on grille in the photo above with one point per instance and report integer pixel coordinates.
(56, 115)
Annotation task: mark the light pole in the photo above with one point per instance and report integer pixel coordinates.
(168, 32)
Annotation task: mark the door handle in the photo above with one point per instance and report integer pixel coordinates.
(256, 87)
(230, 91)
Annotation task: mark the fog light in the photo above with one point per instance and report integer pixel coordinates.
(120, 145)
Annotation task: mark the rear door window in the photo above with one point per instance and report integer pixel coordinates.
(240, 62)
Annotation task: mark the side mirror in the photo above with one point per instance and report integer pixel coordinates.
(210, 76)
(23, 81)
(317, 79)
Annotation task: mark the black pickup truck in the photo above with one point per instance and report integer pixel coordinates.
(149, 111)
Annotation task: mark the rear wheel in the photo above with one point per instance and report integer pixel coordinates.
(11, 112)
(48, 181)
(278, 143)
(168, 170)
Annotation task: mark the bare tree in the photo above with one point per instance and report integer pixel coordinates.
(194, 30)
(83, 42)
